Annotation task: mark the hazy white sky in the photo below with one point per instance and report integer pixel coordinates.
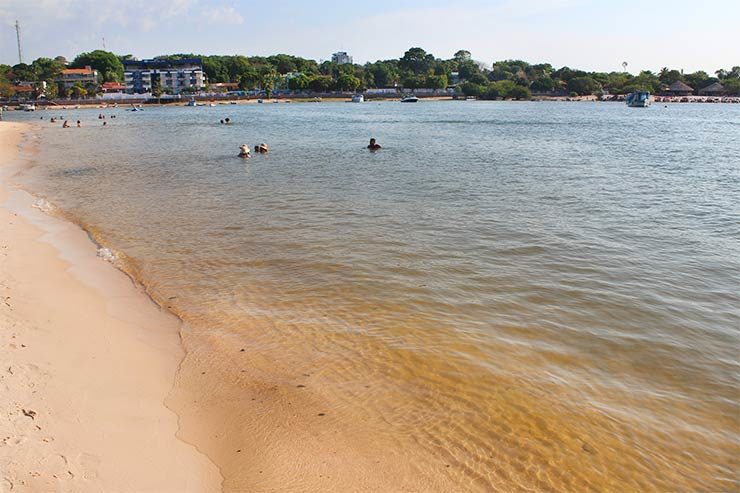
(587, 34)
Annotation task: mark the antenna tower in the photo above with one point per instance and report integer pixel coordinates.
(18, 37)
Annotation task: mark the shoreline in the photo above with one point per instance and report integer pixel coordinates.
(89, 361)
(269, 436)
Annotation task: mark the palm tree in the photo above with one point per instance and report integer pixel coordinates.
(721, 73)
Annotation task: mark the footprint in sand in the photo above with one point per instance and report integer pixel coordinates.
(89, 465)
(13, 441)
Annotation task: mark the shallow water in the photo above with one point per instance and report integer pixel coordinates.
(512, 295)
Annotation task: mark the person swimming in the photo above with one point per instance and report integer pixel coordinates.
(78, 124)
(244, 151)
(65, 124)
(373, 146)
(261, 148)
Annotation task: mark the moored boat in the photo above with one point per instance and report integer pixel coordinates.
(409, 99)
(638, 99)
(358, 98)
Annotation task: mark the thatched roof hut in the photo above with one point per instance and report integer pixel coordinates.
(714, 89)
(678, 88)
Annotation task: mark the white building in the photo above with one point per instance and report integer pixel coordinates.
(83, 76)
(141, 75)
(341, 58)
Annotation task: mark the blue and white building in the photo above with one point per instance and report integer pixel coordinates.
(140, 75)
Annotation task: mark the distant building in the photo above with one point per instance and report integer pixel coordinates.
(141, 75)
(341, 58)
(678, 88)
(715, 89)
(23, 91)
(224, 86)
(71, 76)
(112, 87)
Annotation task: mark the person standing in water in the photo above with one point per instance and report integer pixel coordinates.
(373, 146)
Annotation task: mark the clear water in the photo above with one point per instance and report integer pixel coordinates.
(509, 295)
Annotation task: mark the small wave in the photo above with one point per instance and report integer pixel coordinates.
(43, 205)
(107, 254)
(87, 170)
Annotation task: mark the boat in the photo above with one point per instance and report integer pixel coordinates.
(409, 99)
(192, 102)
(358, 98)
(27, 107)
(639, 99)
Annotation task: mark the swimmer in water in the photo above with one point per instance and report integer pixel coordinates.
(262, 148)
(65, 124)
(244, 151)
(373, 146)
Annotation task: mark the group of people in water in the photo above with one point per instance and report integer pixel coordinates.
(244, 151)
(66, 123)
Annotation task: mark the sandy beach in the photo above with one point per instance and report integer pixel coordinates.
(88, 361)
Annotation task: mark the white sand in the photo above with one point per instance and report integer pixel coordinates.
(86, 362)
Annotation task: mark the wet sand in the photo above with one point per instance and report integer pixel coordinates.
(88, 360)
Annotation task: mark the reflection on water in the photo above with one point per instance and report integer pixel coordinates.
(538, 296)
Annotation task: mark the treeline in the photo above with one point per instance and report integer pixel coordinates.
(415, 69)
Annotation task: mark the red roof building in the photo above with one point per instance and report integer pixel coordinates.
(84, 76)
(113, 87)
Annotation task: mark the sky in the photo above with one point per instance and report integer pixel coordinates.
(584, 34)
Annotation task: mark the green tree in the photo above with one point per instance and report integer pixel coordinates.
(543, 84)
(107, 64)
(299, 83)
(669, 77)
(46, 69)
(384, 73)
(78, 91)
(215, 69)
(583, 86)
(462, 56)
(320, 83)
(412, 81)
(417, 61)
(436, 81)
(520, 92)
(732, 86)
(469, 71)
(347, 82)
(506, 88)
(23, 72)
(472, 89)
(268, 78)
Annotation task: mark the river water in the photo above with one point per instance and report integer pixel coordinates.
(534, 296)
